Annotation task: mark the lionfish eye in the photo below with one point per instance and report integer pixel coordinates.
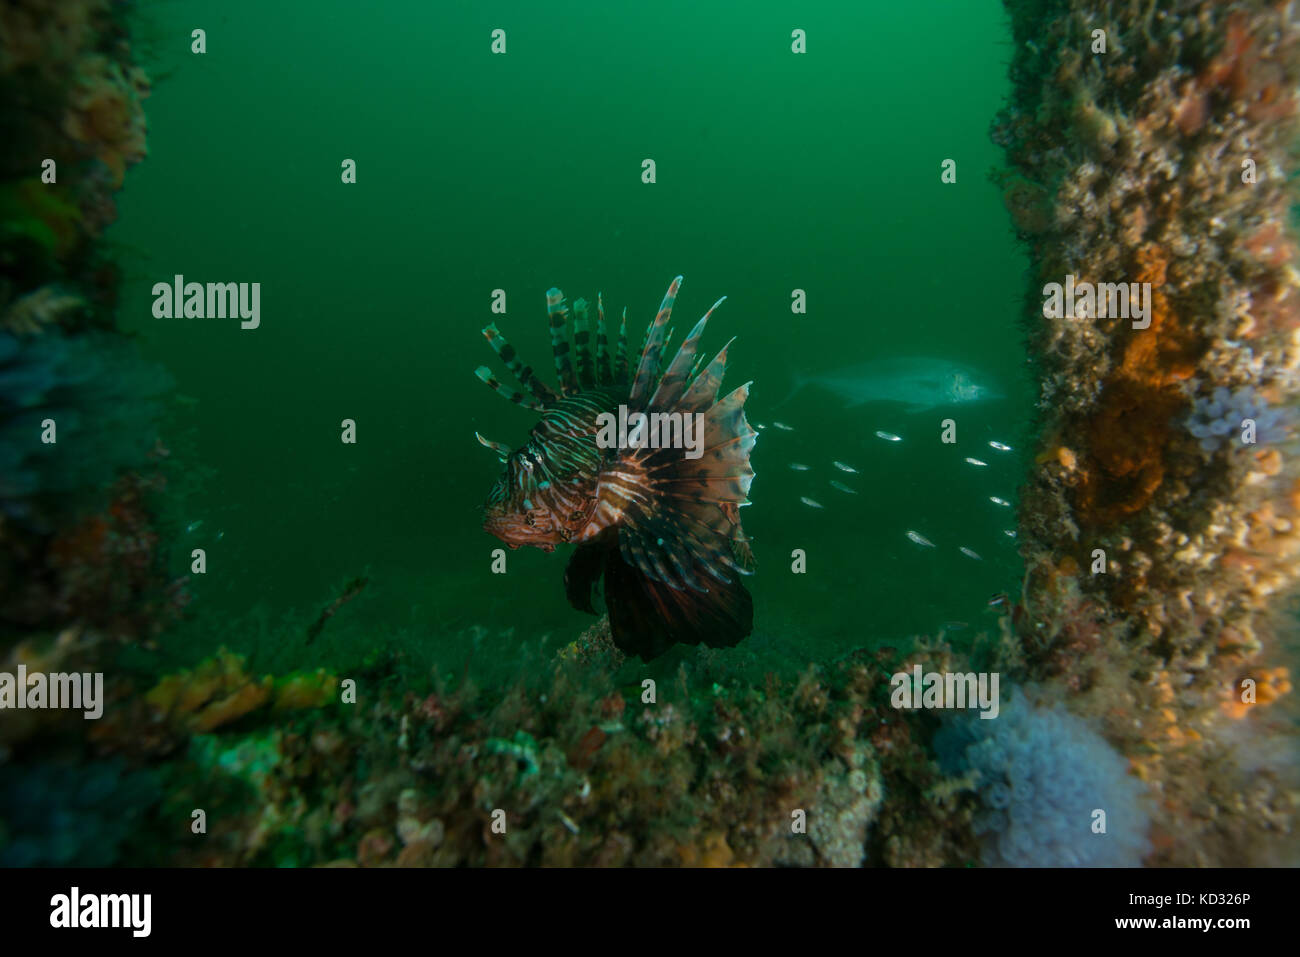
(529, 520)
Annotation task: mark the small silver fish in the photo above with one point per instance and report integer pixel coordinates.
(1009, 532)
(977, 462)
(920, 539)
(798, 467)
(760, 426)
(999, 501)
(782, 426)
(842, 487)
(845, 468)
(970, 553)
(194, 526)
(888, 436)
(955, 625)
(810, 502)
(999, 446)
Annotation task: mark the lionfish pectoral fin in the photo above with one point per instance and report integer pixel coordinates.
(583, 571)
(679, 519)
(646, 617)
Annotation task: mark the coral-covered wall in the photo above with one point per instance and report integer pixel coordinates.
(1152, 143)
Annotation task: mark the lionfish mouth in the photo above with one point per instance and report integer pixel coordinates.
(513, 536)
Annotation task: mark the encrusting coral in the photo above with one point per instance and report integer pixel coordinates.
(1160, 529)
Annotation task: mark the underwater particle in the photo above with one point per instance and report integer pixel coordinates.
(845, 468)
(1009, 532)
(842, 487)
(194, 526)
(888, 436)
(970, 553)
(783, 427)
(811, 503)
(798, 467)
(920, 539)
(760, 426)
(977, 462)
(1040, 773)
(999, 501)
(1001, 447)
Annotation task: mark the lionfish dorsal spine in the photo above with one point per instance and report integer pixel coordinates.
(620, 358)
(582, 345)
(703, 391)
(648, 367)
(604, 373)
(523, 374)
(558, 312)
(518, 398)
(673, 385)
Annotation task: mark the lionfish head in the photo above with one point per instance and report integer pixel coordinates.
(516, 511)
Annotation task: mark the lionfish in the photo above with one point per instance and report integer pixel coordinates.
(662, 528)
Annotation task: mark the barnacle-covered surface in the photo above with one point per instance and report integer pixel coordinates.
(1160, 543)
(78, 405)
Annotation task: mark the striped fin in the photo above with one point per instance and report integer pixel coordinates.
(502, 451)
(582, 345)
(524, 374)
(558, 311)
(674, 382)
(648, 367)
(647, 617)
(604, 373)
(620, 362)
(518, 398)
(678, 518)
(705, 385)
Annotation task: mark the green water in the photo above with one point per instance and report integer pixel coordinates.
(477, 172)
